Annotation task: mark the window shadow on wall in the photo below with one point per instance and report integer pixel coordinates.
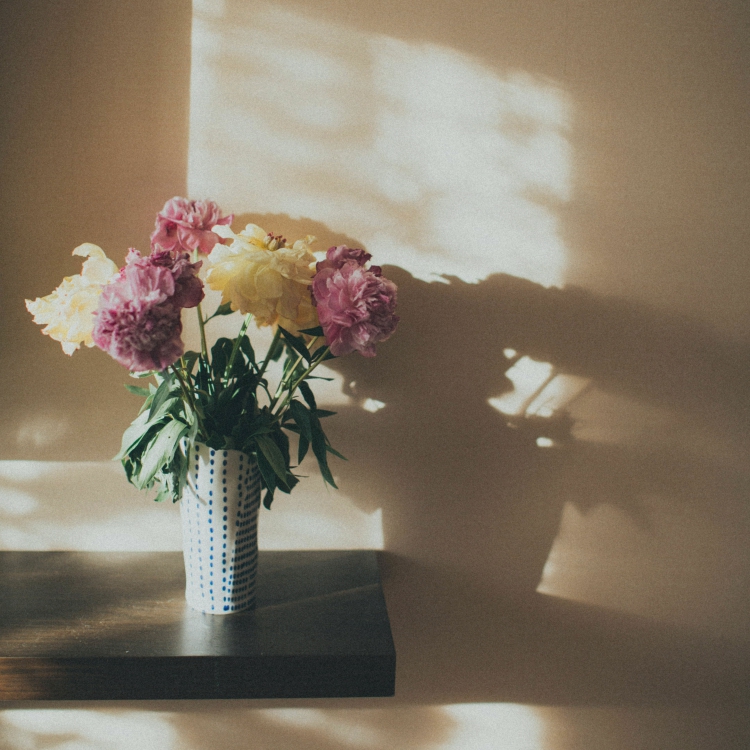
(466, 487)
(471, 504)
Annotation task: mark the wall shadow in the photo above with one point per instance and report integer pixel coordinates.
(458, 642)
(465, 487)
(471, 504)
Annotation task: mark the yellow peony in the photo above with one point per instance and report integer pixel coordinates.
(257, 273)
(68, 313)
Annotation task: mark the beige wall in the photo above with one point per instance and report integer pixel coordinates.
(560, 467)
(94, 136)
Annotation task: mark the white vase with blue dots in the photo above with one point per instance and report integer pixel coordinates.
(219, 510)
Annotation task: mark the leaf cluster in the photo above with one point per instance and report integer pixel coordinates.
(224, 399)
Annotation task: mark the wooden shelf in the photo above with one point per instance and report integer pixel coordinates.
(82, 625)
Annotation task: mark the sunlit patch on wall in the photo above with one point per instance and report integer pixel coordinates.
(41, 430)
(478, 725)
(344, 727)
(538, 389)
(316, 518)
(431, 159)
(101, 512)
(529, 378)
(503, 725)
(81, 729)
(25, 471)
(15, 502)
(372, 405)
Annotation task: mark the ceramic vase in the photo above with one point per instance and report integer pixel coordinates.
(219, 511)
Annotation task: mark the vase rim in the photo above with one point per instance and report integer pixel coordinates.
(218, 451)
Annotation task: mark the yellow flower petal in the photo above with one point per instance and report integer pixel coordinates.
(68, 312)
(271, 282)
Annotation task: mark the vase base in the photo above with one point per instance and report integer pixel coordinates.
(218, 608)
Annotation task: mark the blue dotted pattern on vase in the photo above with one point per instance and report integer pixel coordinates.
(219, 510)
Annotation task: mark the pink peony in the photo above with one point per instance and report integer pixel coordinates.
(355, 304)
(188, 288)
(138, 320)
(337, 256)
(139, 335)
(185, 225)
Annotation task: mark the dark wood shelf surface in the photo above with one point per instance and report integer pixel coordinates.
(115, 626)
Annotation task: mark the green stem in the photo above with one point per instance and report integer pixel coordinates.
(235, 348)
(201, 325)
(283, 381)
(294, 387)
(268, 357)
(289, 372)
(190, 401)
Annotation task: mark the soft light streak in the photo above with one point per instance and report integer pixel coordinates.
(103, 513)
(431, 159)
(509, 726)
(469, 725)
(79, 729)
(16, 502)
(320, 519)
(373, 405)
(537, 389)
(42, 430)
(528, 377)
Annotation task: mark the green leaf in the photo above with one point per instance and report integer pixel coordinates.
(308, 395)
(296, 343)
(171, 407)
(268, 499)
(289, 483)
(161, 450)
(317, 331)
(301, 416)
(273, 455)
(165, 493)
(220, 353)
(225, 309)
(322, 413)
(247, 349)
(266, 472)
(146, 405)
(137, 390)
(162, 394)
(190, 358)
(302, 448)
(335, 452)
(276, 350)
(142, 429)
(133, 434)
(320, 449)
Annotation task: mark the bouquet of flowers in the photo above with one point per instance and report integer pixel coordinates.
(319, 309)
